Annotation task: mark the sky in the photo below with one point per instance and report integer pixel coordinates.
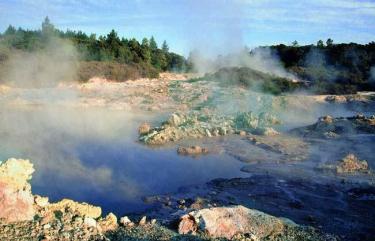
(212, 25)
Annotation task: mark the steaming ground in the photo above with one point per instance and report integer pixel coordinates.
(82, 139)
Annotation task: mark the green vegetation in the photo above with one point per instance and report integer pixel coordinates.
(330, 68)
(323, 68)
(254, 79)
(110, 56)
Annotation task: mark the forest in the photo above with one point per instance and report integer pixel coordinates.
(329, 67)
(326, 67)
(117, 58)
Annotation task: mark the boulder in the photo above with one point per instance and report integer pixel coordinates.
(175, 120)
(109, 223)
(41, 201)
(90, 222)
(143, 221)
(193, 150)
(81, 209)
(328, 127)
(125, 221)
(16, 199)
(269, 131)
(198, 125)
(242, 133)
(144, 129)
(226, 222)
(351, 164)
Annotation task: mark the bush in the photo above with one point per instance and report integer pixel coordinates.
(114, 71)
(256, 80)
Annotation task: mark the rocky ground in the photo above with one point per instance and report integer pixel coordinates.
(25, 216)
(313, 182)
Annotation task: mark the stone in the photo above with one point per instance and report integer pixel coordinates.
(125, 221)
(47, 218)
(41, 201)
(193, 150)
(187, 225)
(47, 226)
(144, 129)
(16, 173)
(242, 133)
(16, 199)
(90, 222)
(175, 120)
(351, 164)
(198, 125)
(143, 221)
(328, 127)
(82, 209)
(269, 131)
(109, 223)
(226, 222)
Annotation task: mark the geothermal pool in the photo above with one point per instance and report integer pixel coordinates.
(92, 155)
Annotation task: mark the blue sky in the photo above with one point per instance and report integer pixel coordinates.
(213, 25)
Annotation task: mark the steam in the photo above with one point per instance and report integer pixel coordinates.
(260, 59)
(56, 62)
(316, 62)
(53, 139)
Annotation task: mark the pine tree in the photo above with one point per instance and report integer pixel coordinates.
(153, 44)
(165, 47)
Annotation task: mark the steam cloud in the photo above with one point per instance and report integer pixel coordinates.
(56, 62)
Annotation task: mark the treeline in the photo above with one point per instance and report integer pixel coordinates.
(146, 54)
(329, 67)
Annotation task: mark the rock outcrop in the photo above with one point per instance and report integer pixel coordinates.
(82, 209)
(193, 150)
(329, 127)
(197, 125)
(16, 199)
(226, 222)
(144, 129)
(109, 223)
(351, 164)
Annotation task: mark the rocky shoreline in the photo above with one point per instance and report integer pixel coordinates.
(25, 216)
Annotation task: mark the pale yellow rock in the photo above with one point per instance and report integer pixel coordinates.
(16, 199)
(41, 201)
(108, 223)
(83, 209)
(143, 220)
(16, 173)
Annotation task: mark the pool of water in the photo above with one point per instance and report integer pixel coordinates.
(92, 155)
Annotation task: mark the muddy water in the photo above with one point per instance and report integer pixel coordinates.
(92, 155)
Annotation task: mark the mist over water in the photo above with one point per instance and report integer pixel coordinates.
(92, 155)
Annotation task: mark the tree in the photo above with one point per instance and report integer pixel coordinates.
(10, 30)
(295, 43)
(153, 44)
(145, 50)
(112, 39)
(165, 47)
(329, 42)
(320, 44)
(47, 27)
(159, 60)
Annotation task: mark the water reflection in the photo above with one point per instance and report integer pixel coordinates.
(93, 156)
